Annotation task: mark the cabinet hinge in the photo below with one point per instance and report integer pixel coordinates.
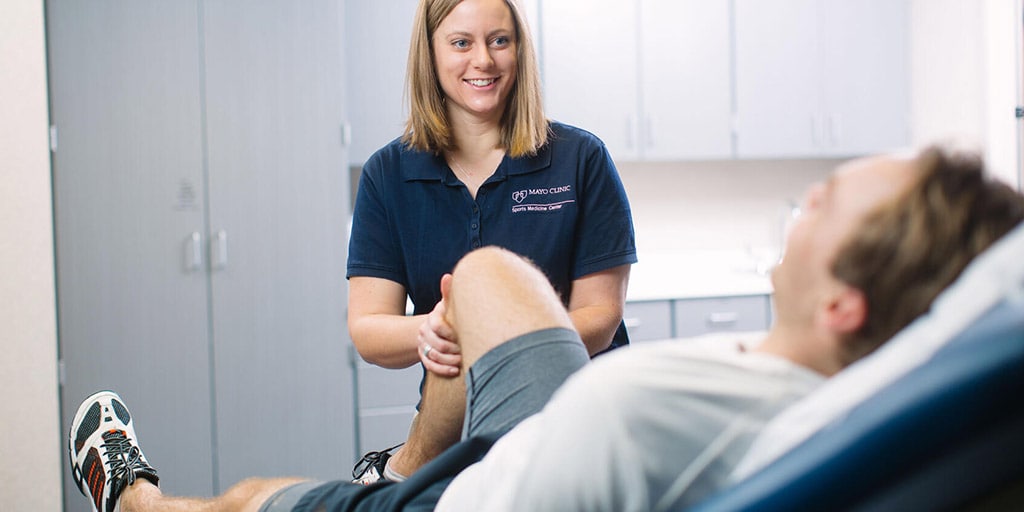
(1020, 112)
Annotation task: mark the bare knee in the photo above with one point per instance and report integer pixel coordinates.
(250, 494)
(486, 259)
(492, 268)
(496, 295)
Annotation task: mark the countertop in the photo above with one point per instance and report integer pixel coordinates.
(697, 274)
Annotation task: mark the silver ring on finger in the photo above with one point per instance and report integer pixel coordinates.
(426, 350)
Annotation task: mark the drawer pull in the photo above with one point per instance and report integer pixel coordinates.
(721, 319)
(632, 323)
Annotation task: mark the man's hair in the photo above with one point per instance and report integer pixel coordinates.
(908, 250)
(524, 128)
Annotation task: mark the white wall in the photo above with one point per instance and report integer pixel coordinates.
(732, 205)
(30, 433)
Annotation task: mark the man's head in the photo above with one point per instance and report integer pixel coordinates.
(879, 240)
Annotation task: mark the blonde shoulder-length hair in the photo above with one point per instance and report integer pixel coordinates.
(524, 128)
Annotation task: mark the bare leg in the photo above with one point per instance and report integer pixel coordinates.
(493, 296)
(437, 427)
(245, 496)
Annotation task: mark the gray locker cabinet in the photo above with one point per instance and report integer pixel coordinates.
(200, 212)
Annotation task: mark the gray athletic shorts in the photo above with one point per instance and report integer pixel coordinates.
(286, 498)
(515, 379)
(506, 385)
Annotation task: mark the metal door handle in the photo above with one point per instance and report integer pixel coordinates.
(194, 252)
(722, 319)
(219, 258)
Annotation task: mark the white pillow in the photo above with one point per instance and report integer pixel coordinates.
(996, 273)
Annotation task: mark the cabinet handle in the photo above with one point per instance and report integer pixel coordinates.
(648, 131)
(632, 323)
(346, 134)
(722, 319)
(194, 252)
(629, 132)
(220, 254)
(816, 130)
(833, 129)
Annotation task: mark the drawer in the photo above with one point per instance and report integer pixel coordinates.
(694, 317)
(381, 387)
(648, 320)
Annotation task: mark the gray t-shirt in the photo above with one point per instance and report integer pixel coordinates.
(644, 428)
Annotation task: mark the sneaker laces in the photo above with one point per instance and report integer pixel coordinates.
(124, 459)
(376, 460)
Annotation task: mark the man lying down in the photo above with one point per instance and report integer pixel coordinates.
(649, 426)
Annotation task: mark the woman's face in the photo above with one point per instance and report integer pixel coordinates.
(475, 58)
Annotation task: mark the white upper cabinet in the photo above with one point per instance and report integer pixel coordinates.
(706, 79)
(651, 78)
(820, 77)
(866, 75)
(686, 93)
(589, 61)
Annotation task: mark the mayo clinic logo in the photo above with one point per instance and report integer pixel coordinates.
(547, 199)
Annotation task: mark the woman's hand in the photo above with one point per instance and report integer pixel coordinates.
(438, 348)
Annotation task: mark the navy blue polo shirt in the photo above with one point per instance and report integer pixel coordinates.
(564, 208)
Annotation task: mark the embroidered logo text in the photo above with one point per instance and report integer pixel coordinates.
(542, 199)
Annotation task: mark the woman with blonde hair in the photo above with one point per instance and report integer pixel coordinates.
(479, 164)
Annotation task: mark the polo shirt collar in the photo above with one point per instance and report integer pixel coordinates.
(424, 166)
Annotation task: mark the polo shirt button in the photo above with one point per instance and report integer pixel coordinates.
(476, 245)
(473, 226)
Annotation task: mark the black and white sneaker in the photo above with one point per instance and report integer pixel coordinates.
(105, 456)
(370, 469)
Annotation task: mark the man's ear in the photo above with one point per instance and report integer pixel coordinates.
(446, 286)
(846, 311)
(446, 298)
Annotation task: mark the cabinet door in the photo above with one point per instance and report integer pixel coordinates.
(589, 56)
(778, 82)
(686, 79)
(821, 77)
(376, 49)
(128, 195)
(865, 76)
(278, 198)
